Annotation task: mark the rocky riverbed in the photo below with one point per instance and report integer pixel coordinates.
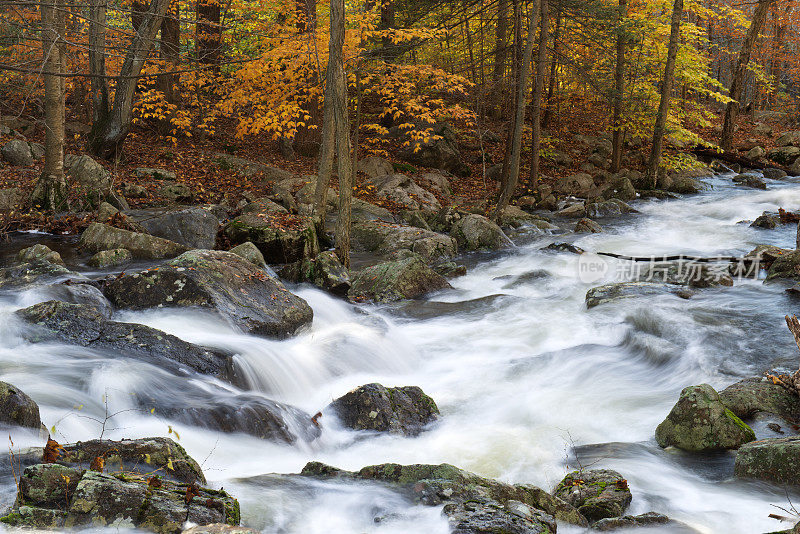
(464, 377)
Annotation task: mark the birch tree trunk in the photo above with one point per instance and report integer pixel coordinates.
(666, 94)
(737, 84)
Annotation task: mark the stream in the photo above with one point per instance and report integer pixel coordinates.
(529, 382)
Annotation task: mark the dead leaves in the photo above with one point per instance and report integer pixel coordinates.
(52, 451)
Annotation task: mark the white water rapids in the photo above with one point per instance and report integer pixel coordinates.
(523, 380)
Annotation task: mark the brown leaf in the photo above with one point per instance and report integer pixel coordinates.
(52, 451)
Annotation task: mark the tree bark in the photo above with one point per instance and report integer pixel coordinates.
(551, 84)
(511, 175)
(500, 56)
(170, 52)
(737, 84)
(538, 89)
(50, 192)
(619, 89)
(108, 134)
(97, 59)
(208, 32)
(666, 94)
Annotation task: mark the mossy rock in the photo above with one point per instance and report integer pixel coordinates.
(402, 410)
(392, 281)
(17, 408)
(775, 460)
(701, 422)
(597, 493)
(281, 238)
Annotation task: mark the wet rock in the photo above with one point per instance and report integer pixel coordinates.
(401, 410)
(250, 252)
(608, 208)
(692, 274)
(84, 325)
(576, 210)
(386, 238)
(750, 396)
(403, 190)
(433, 485)
(110, 258)
(476, 232)
(373, 166)
(37, 271)
(11, 199)
(775, 460)
(79, 293)
(625, 290)
(564, 247)
(437, 151)
(515, 217)
(750, 180)
(631, 521)
(685, 185)
(767, 221)
(176, 192)
(785, 266)
(485, 516)
(701, 422)
(324, 271)
(98, 237)
(772, 173)
(597, 493)
(245, 295)
(114, 500)
(620, 188)
(191, 227)
(18, 153)
(281, 238)
(588, 226)
(391, 281)
(39, 252)
(17, 409)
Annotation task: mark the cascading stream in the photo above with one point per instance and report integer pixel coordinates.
(524, 374)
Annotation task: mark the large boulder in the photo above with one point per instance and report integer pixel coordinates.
(106, 259)
(281, 237)
(596, 493)
(84, 325)
(52, 497)
(785, 155)
(404, 191)
(476, 232)
(387, 238)
(98, 237)
(77, 292)
(433, 485)
(515, 217)
(90, 180)
(363, 211)
(245, 295)
(374, 166)
(750, 180)
(576, 184)
(401, 410)
(39, 252)
(791, 138)
(391, 281)
(620, 188)
(324, 271)
(775, 460)
(701, 422)
(751, 396)
(17, 409)
(438, 150)
(190, 227)
(18, 153)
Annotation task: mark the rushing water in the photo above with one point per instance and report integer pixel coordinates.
(528, 380)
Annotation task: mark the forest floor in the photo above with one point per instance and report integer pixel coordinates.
(199, 165)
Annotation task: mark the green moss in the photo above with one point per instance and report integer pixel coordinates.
(739, 422)
(13, 518)
(233, 514)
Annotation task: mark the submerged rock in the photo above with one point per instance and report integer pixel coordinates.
(626, 290)
(701, 422)
(324, 271)
(385, 238)
(774, 460)
(433, 485)
(631, 521)
(17, 409)
(84, 325)
(245, 295)
(219, 528)
(401, 410)
(597, 493)
(391, 281)
(52, 497)
(98, 237)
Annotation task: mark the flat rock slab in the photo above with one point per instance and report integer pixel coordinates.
(98, 237)
(774, 460)
(245, 295)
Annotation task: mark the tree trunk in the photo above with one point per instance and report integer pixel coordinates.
(538, 89)
(732, 109)
(666, 93)
(551, 84)
(107, 135)
(208, 32)
(511, 176)
(170, 52)
(50, 192)
(97, 60)
(500, 55)
(326, 150)
(619, 89)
